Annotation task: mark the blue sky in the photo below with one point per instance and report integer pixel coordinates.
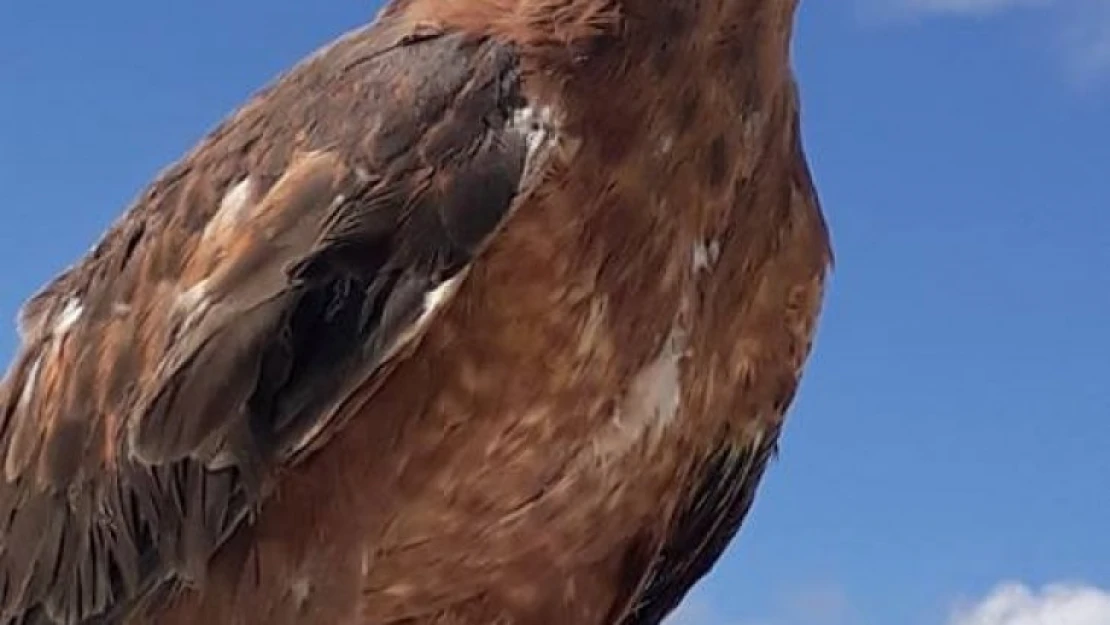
(945, 462)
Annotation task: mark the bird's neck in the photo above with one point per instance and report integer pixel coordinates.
(754, 33)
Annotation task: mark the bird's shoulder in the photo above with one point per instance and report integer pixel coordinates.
(210, 333)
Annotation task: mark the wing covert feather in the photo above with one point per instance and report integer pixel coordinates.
(166, 374)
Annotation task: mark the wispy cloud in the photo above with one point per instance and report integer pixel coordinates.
(1008, 603)
(812, 604)
(1055, 604)
(900, 10)
(1077, 29)
(1086, 38)
(968, 7)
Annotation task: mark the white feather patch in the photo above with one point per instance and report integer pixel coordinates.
(434, 300)
(69, 316)
(27, 393)
(193, 297)
(665, 145)
(300, 589)
(705, 255)
(541, 129)
(653, 399)
(191, 304)
(234, 207)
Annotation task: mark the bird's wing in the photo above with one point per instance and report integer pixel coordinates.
(211, 333)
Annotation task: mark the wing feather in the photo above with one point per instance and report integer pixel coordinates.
(254, 284)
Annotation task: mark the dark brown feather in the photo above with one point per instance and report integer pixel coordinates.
(199, 353)
(573, 437)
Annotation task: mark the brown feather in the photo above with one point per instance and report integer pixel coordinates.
(165, 377)
(490, 312)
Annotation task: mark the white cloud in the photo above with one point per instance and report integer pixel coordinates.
(812, 604)
(1086, 39)
(1055, 604)
(969, 7)
(1078, 30)
(885, 11)
(1009, 603)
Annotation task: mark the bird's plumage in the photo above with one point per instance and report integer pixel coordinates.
(210, 334)
(432, 330)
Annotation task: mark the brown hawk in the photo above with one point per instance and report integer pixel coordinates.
(488, 312)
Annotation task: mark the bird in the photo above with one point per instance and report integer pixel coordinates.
(485, 312)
